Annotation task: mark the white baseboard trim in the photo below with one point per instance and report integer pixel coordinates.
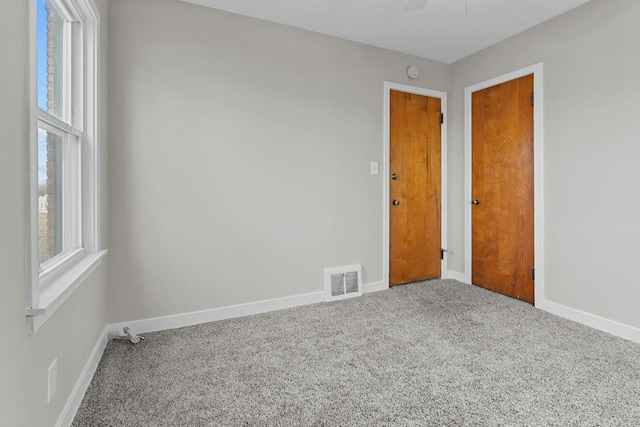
(181, 320)
(78, 392)
(456, 276)
(211, 315)
(374, 287)
(606, 325)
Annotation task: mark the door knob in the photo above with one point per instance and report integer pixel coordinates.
(475, 202)
(394, 176)
(396, 202)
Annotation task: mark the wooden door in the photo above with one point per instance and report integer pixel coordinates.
(502, 188)
(415, 155)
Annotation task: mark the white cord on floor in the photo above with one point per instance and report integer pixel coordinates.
(129, 335)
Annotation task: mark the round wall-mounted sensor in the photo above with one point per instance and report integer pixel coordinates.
(412, 72)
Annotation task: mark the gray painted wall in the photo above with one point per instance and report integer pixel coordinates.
(241, 152)
(277, 126)
(591, 152)
(72, 332)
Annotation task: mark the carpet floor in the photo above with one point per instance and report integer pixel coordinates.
(433, 353)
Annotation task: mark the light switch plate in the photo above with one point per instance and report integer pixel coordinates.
(374, 168)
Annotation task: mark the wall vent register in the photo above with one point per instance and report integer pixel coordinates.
(342, 282)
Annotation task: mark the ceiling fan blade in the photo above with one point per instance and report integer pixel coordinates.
(414, 5)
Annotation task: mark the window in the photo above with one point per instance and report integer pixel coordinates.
(63, 144)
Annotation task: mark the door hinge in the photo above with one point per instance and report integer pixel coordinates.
(442, 251)
(533, 274)
(441, 118)
(532, 98)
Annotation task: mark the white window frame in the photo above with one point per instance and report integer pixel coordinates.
(50, 284)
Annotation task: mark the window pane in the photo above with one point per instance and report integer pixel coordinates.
(50, 156)
(50, 59)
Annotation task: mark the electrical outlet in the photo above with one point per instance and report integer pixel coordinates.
(53, 380)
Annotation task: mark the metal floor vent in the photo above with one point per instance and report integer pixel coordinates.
(342, 282)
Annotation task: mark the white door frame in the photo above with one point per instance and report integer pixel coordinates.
(388, 87)
(538, 181)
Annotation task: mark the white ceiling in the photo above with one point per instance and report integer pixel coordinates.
(445, 30)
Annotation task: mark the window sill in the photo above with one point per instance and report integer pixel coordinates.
(58, 291)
